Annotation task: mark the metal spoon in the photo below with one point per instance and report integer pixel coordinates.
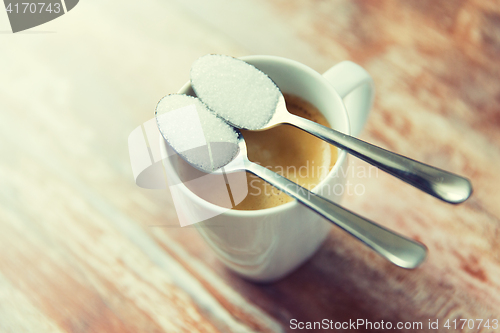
(250, 81)
(396, 248)
(399, 250)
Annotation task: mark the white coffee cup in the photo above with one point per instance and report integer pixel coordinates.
(265, 245)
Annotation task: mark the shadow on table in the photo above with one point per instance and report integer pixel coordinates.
(344, 282)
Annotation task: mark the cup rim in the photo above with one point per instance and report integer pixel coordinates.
(294, 203)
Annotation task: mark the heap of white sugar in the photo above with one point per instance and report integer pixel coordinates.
(188, 126)
(235, 90)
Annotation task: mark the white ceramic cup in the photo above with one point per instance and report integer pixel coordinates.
(265, 245)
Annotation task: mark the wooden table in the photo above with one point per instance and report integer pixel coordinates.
(83, 249)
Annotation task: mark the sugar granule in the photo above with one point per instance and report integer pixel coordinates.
(235, 90)
(187, 124)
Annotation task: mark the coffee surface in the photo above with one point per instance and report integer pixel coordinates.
(289, 151)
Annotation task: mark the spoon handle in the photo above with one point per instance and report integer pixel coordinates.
(397, 249)
(441, 184)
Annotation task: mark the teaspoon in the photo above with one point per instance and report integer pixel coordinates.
(173, 109)
(248, 99)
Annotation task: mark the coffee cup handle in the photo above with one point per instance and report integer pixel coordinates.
(355, 86)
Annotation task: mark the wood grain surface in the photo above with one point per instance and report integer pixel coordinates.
(83, 249)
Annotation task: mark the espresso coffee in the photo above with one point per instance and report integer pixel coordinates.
(289, 151)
